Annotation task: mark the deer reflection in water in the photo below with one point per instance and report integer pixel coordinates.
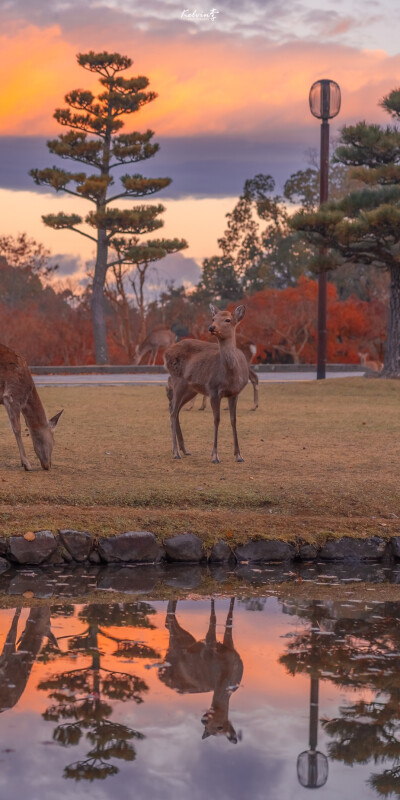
(17, 657)
(204, 666)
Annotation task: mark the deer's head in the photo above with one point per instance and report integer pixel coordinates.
(214, 725)
(43, 440)
(224, 322)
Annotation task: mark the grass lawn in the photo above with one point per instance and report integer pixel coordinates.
(320, 458)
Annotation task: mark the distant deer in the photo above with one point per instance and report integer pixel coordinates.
(18, 394)
(368, 363)
(204, 666)
(249, 349)
(158, 339)
(198, 367)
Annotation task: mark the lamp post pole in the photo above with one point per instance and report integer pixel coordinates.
(324, 104)
(322, 281)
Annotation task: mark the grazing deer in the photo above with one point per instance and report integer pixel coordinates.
(18, 658)
(249, 349)
(158, 339)
(198, 367)
(204, 666)
(18, 394)
(365, 361)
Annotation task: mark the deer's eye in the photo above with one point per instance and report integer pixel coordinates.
(227, 320)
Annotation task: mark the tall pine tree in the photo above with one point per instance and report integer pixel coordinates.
(93, 139)
(364, 226)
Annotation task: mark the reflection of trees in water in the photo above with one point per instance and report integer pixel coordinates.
(80, 695)
(361, 651)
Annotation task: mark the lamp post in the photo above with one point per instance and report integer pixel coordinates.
(324, 102)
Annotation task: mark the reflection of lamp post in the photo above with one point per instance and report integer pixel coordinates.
(324, 104)
(312, 766)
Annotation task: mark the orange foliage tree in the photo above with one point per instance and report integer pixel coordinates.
(283, 325)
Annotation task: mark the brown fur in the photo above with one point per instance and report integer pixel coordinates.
(158, 339)
(204, 666)
(197, 367)
(18, 394)
(248, 349)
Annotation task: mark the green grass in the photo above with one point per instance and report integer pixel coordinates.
(321, 458)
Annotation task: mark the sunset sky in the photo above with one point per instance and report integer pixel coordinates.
(233, 98)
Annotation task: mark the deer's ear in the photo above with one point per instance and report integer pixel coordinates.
(53, 421)
(239, 313)
(213, 310)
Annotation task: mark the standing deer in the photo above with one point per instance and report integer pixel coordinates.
(204, 666)
(158, 339)
(249, 349)
(18, 394)
(198, 367)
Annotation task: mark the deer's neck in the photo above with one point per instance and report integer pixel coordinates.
(33, 411)
(228, 352)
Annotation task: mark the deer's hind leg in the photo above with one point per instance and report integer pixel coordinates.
(232, 411)
(13, 412)
(254, 380)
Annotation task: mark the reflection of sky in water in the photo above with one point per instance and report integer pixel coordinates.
(269, 712)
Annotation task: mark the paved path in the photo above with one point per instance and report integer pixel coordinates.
(160, 378)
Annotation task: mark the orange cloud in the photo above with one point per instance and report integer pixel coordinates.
(207, 83)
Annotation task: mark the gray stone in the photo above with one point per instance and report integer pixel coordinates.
(35, 552)
(137, 546)
(78, 543)
(221, 553)
(220, 572)
(66, 555)
(94, 557)
(265, 550)
(37, 584)
(4, 564)
(395, 546)
(162, 555)
(182, 576)
(185, 547)
(130, 580)
(75, 582)
(308, 552)
(350, 549)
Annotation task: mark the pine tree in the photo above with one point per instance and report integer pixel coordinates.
(93, 139)
(364, 226)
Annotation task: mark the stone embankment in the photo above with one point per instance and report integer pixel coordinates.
(142, 547)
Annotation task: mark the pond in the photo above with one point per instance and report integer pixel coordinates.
(231, 697)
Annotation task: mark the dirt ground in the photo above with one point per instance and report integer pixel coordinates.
(321, 458)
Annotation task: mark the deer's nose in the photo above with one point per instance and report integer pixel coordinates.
(212, 328)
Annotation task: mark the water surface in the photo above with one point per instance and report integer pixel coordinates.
(201, 698)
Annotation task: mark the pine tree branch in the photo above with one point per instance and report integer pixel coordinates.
(93, 239)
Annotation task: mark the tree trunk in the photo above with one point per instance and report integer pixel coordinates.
(98, 315)
(391, 367)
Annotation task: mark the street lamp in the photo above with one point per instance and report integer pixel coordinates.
(324, 102)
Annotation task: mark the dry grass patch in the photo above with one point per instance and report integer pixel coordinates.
(320, 458)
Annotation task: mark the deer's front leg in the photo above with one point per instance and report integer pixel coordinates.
(232, 401)
(215, 402)
(15, 421)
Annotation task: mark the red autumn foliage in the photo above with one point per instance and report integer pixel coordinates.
(283, 324)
